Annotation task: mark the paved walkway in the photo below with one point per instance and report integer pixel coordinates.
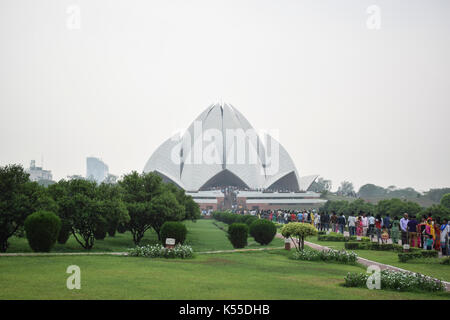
(363, 261)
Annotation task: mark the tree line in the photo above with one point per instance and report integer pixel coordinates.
(392, 207)
(138, 202)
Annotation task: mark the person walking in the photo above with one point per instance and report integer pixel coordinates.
(365, 223)
(341, 223)
(421, 232)
(352, 224)
(333, 221)
(395, 230)
(378, 223)
(437, 232)
(371, 229)
(404, 228)
(412, 231)
(387, 223)
(359, 227)
(317, 221)
(445, 230)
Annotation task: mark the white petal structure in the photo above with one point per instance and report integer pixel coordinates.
(220, 148)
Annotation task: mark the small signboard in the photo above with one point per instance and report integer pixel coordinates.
(170, 241)
(287, 244)
(405, 247)
(358, 238)
(328, 232)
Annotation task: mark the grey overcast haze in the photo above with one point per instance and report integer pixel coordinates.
(350, 102)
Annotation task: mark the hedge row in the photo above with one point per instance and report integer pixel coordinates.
(333, 236)
(405, 256)
(230, 218)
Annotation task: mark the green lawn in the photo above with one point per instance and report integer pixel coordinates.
(430, 267)
(245, 275)
(202, 236)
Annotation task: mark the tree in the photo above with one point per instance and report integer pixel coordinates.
(165, 207)
(436, 210)
(191, 208)
(445, 201)
(397, 207)
(78, 206)
(297, 232)
(335, 206)
(18, 198)
(436, 194)
(112, 207)
(370, 191)
(138, 192)
(320, 185)
(346, 189)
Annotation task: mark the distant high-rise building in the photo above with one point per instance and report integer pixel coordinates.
(37, 173)
(96, 169)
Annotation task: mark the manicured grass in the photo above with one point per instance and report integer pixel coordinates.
(430, 267)
(250, 275)
(202, 236)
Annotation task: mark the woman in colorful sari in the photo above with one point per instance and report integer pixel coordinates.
(421, 232)
(395, 231)
(359, 227)
(429, 229)
(437, 232)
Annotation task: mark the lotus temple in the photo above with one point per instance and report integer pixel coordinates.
(223, 163)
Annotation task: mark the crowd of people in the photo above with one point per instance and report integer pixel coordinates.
(420, 232)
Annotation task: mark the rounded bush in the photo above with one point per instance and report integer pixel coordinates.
(173, 229)
(263, 231)
(42, 229)
(101, 228)
(237, 234)
(64, 233)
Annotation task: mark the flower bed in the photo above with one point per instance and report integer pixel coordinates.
(395, 280)
(340, 256)
(158, 251)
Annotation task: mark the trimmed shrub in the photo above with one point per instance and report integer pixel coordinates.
(175, 230)
(446, 260)
(100, 229)
(64, 232)
(430, 254)
(237, 234)
(42, 229)
(247, 219)
(357, 245)
(335, 237)
(263, 231)
(406, 256)
(298, 231)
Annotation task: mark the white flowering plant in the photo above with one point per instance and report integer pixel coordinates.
(159, 251)
(341, 256)
(397, 280)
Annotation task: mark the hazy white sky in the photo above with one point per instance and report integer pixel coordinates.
(350, 102)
